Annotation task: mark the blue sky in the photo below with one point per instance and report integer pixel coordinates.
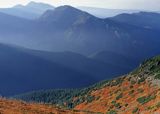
(113, 4)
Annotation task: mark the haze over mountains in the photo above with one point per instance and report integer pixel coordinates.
(22, 71)
(76, 48)
(45, 70)
(81, 33)
(148, 20)
(30, 11)
(34, 9)
(104, 13)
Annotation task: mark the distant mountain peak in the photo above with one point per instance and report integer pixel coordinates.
(64, 12)
(32, 10)
(66, 7)
(33, 4)
(38, 4)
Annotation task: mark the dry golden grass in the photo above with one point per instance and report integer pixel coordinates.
(20, 107)
(105, 99)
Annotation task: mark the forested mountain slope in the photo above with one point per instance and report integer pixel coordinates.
(136, 92)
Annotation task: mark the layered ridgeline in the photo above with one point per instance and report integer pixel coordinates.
(80, 32)
(23, 70)
(136, 92)
(30, 11)
(142, 19)
(34, 9)
(106, 40)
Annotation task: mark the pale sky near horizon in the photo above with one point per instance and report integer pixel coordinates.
(111, 4)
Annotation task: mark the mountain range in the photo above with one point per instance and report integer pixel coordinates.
(81, 33)
(51, 57)
(68, 42)
(142, 19)
(45, 70)
(33, 10)
(22, 71)
(30, 11)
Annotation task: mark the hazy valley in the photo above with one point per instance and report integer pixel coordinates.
(55, 59)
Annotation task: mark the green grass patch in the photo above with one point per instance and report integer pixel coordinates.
(135, 110)
(144, 99)
(157, 76)
(119, 96)
(112, 112)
